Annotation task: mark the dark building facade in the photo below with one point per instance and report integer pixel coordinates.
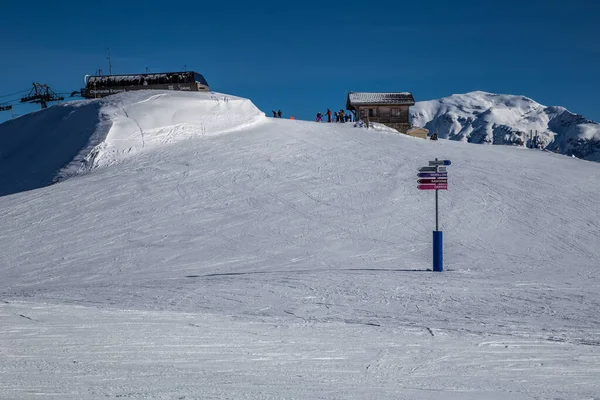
(104, 85)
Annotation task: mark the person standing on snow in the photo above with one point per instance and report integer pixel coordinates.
(319, 116)
(328, 113)
(279, 114)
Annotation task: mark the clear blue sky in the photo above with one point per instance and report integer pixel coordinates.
(302, 57)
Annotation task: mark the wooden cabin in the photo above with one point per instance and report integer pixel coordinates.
(390, 109)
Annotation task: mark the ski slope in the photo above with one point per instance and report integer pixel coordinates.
(290, 259)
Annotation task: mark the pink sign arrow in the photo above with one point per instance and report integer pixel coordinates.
(433, 187)
(433, 180)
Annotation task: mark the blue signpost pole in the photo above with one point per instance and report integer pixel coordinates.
(437, 252)
(438, 256)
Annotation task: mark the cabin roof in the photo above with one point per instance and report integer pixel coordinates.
(379, 98)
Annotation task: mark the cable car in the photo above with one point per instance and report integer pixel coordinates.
(105, 85)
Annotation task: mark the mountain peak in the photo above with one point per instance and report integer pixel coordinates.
(484, 117)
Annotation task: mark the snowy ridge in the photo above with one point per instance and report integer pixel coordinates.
(145, 120)
(73, 138)
(481, 117)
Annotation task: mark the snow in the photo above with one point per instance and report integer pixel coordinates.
(482, 117)
(271, 258)
(139, 121)
(72, 138)
(81, 352)
(381, 98)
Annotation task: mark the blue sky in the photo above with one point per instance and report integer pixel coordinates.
(303, 57)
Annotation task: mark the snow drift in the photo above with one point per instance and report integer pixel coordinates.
(481, 117)
(68, 139)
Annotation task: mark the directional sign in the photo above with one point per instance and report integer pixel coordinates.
(432, 174)
(433, 180)
(440, 162)
(432, 187)
(432, 169)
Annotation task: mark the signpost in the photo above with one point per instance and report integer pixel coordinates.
(433, 180)
(432, 169)
(440, 162)
(435, 177)
(432, 175)
(433, 186)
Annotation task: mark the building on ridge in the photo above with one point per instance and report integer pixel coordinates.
(105, 85)
(390, 109)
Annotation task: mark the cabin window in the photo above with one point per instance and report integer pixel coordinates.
(395, 112)
(372, 112)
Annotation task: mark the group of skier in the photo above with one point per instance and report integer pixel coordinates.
(339, 116)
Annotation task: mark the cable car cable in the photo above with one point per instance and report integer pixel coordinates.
(12, 94)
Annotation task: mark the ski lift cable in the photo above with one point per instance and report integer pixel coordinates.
(18, 102)
(13, 102)
(55, 97)
(12, 94)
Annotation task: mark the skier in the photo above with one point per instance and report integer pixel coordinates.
(328, 113)
(279, 114)
(274, 113)
(319, 116)
(434, 136)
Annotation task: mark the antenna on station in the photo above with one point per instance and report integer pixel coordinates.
(109, 61)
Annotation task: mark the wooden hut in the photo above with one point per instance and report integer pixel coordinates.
(390, 109)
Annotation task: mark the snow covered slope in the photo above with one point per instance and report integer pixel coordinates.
(481, 117)
(289, 259)
(50, 145)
